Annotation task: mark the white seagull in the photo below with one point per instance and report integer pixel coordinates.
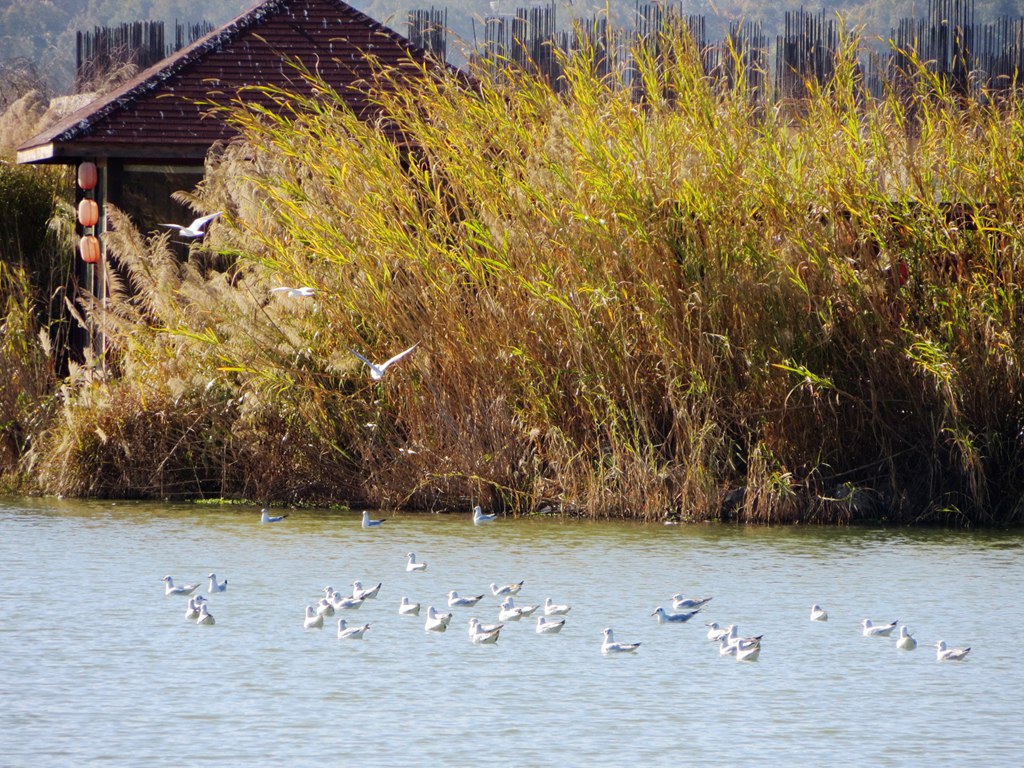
(437, 622)
(295, 293)
(479, 518)
(509, 612)
(905, 642)
(313, 620)
(481, 634)
(748, 650)
(364, 594)
(716, 632)
(818, 613)
(351, 633)
(266, 517)
(377, 370)
(546, 626)
(944, 653)
(192, 612)
(879, 630)
(552, 608)
(610, 646)
(475, 625)
(681, 603)
(412, 565)
(325, 607)
(454, 601)
(170, 589)
(368, 523)
(217, 586)
(673, 618)
(346, 602)
(508, 589)
(525, 610)
(195, 229)
(726, 647)
(733, 636)
(205, 617)
(408, 608)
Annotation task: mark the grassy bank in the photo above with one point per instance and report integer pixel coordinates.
(691, 307)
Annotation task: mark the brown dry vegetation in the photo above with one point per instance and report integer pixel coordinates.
(687, 308)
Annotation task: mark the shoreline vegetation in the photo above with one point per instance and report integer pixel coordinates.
(694, 307)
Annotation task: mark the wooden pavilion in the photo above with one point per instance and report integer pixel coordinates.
(149, 137)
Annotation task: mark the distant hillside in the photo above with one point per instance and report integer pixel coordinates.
(42, 32)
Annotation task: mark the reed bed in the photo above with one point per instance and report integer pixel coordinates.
(683, 307)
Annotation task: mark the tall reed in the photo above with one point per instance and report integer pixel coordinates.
(687, 306)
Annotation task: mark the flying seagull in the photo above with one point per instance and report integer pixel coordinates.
(377, 370)
(294, 293)
(195, 229)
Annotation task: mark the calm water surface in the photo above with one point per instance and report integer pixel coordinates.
(98, 667)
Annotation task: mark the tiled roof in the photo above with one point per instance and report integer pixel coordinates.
(156, 113)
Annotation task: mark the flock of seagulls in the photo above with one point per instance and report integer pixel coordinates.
(198, 609)
(549, 621)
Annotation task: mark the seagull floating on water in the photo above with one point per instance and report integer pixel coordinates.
(878, 630)
(195, 229)
(408, 608)
(944, 653)
(818, 613)
(479, 518)
(205, 617)
(508, 589)
(905, 642)
(673, 618)
(484, 634)
(170, 589)
(313, 620)
(726, 647)
(552, 608)
(368, 523)
(377, 370)
(454, 601)
(610, 646)
(412, 565)
(475, 625)
(748, 650)
(266, 517)
(716, 632)
(217, 586)
(346, 632)
(364, 594)
(325, 607)
(525, 610)
(295, 293)
(509, 612)
(192, 612)
(546, 626)
(681, 603)
(437, 622)
(346, 602)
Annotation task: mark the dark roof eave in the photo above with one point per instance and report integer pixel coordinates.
(67, 153)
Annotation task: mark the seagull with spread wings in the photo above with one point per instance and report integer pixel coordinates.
(377, 370)
(195, 229)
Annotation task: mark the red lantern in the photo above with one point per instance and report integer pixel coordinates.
(87, 175)
(88, 212)
(89, 249)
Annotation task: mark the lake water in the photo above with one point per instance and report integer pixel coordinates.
(99, 667)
